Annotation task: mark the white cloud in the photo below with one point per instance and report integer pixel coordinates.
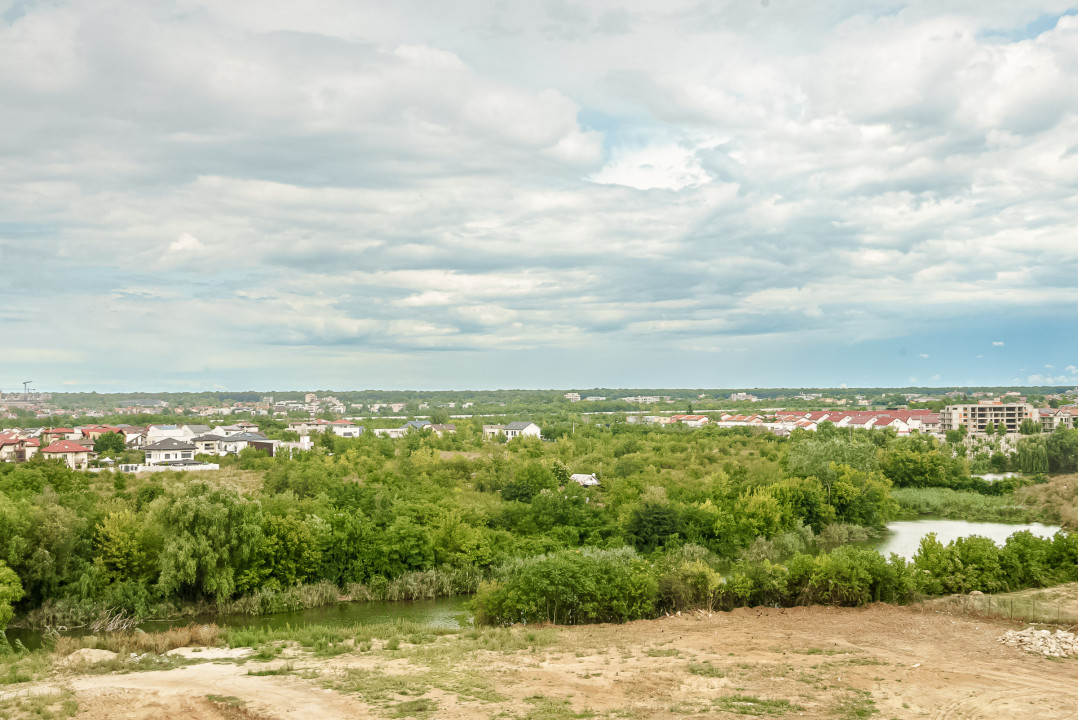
(662, 167)
(626, 177)
(924, 356)
(998, 343)
(186, 243)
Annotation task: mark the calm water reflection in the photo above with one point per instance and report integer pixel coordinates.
(904, 536)
(446, 613)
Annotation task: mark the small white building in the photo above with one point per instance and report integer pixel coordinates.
(585, 480)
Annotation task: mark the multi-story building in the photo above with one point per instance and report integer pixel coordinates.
(977, 417)
(1052, 418)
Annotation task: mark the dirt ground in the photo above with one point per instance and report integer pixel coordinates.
(879, 661)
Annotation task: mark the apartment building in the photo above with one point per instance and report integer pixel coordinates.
(978, 416)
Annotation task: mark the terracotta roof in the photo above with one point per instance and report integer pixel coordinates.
(65, 446)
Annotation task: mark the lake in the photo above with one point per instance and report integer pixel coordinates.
(904, 536)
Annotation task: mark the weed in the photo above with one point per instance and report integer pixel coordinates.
(859, 704)
(414, 708)
(752, 705)
(706, 669)
(43, 706)
(658, 652)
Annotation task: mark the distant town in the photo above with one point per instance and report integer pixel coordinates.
(188, 431)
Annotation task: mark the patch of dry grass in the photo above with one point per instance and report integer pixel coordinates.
(157, 643)
(1057, 498)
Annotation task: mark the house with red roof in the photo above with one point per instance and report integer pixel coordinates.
(52, 435)
(76, 456)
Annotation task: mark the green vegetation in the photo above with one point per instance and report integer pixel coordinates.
(944, 502)
(41, 706)
(752, 705)
(423, 516)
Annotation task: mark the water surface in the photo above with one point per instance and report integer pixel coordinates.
(444, 613)
(904, 536)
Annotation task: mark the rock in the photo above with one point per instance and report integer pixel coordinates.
(1060, 644)
(89, 656)
(976, 593)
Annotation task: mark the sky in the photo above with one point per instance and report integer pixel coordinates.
(491, 194)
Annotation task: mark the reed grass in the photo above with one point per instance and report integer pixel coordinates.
(963, 505)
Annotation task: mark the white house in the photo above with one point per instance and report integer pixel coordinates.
(513, 430)
(345, 428)
(168, 450)
(183, 433)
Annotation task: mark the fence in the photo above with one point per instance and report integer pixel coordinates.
(1029, 608)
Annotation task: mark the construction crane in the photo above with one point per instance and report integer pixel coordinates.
(26, 387)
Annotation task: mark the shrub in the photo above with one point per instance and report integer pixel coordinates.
(569, 587)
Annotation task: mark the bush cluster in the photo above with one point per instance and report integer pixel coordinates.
(574, 587)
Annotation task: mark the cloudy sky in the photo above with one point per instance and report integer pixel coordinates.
(489, 193)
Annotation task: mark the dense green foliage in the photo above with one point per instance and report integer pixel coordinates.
(371, 515)
(977, 563)
(10, 592)
(572, 587)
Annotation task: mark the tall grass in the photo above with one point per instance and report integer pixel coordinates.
(943, 502)
(266, 600)
(415, 585)
(138, 642)
(419, 585)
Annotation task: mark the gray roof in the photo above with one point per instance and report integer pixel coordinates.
(196, 429)
(246, 437)
(518, 425)
(207, 438)
(169, 444)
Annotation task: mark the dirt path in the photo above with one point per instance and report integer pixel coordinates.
(816, 662)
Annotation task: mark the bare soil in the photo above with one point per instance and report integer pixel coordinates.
(878, 661)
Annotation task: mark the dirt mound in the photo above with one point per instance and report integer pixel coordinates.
(89, 656)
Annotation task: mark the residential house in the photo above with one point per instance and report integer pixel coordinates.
(208, 444)
(346, 428)
(53, 435)
(93, 432)
(234, 444)
(134, 437)
(522, 429)
(169, 450)
(399, 432)
(693, 421)
(440, 430)
(74, 455)
(9, 445)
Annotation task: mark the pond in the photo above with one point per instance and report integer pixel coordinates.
(904, 536)
(445, 613)
(992, 477)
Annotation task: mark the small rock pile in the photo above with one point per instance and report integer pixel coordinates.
(1060, 644)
